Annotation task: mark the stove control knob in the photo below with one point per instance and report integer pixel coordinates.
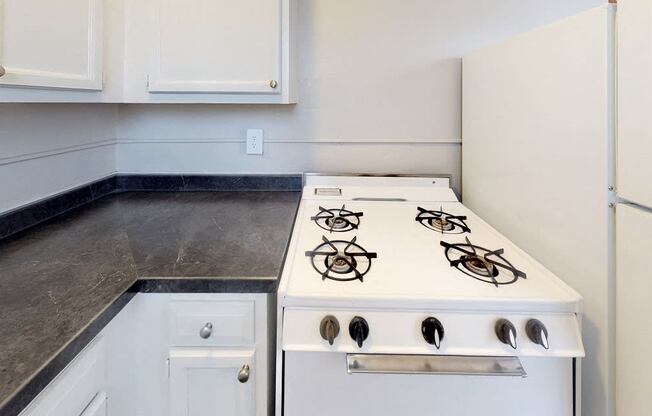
(329, 328)
(506, 332)
(432, 331)
(359, 330)
(537, 332)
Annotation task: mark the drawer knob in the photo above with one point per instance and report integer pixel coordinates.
(206, 330)
(273, 83)
(243, 374)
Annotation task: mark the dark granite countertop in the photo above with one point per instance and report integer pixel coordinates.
(57, 278)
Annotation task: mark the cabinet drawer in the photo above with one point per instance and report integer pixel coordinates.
(75, 389)
(198, 323)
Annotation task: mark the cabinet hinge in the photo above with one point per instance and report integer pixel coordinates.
(147, 84)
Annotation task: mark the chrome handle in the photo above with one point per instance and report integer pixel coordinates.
(243, 374)
(434, 364)
(2, 71)
(380, 199)
(273, 83)
(206, 330)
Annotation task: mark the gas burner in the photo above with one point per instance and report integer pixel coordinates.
(341, 260)
(482, 264)
(337, 219)
(442, 222)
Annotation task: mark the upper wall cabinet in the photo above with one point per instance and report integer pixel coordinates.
(217, 46)
(154, 51)
(51, 44)
(210, 51)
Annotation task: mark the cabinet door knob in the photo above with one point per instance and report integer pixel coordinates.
(2, 70)
(206, 330)
(243, 374)
(273, 83)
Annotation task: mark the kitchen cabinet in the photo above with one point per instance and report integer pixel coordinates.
(208, 323)
(216, 51)
(207, 382)
(97, 406)
(216, 46)
(155, 357)
(213, 349)
(79, 390)
(634, 164)
(213, 372)
(148, 51)
(195, 350)
(51, 44)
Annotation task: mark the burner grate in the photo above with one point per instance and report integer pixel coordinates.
(442, 222)
(341, 260)
(482, 264)
(337, 219)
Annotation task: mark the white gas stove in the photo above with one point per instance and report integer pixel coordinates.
(392, 289)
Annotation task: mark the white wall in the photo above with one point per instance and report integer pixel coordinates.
(46, 148)
(379, 91)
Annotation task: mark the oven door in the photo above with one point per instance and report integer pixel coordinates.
(326, 384)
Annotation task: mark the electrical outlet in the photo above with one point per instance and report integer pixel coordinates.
(255, 142)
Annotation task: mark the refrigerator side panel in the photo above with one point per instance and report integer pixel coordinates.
(538, 136)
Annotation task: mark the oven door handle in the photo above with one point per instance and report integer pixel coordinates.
(434, 365)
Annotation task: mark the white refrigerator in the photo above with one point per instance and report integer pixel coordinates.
(538, 164)
(634, 209)
(557, 154)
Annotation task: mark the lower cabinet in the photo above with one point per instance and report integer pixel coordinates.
(79, 390)
(209, 382)
(97, 407)
(196, 354)
(172, 355)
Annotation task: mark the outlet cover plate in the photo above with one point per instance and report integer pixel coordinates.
(255, 142)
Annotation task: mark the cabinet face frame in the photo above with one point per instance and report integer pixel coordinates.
(156, 83)
(92, 80)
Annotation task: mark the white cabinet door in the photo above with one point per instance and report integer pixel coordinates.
(97, 407)
(78, 388)
(204, 382)
(51, 44)
(634, 166)
(216, 46)
(633, 310)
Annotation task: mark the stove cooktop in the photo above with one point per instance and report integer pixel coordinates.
(369, 251)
